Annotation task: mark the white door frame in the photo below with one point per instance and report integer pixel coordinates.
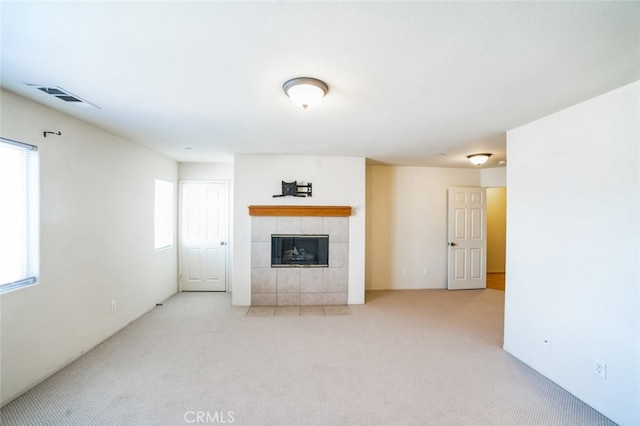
(467, 238)
(228, 234)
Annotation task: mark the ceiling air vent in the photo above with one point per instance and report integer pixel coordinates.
(68, 98)
(63, 95)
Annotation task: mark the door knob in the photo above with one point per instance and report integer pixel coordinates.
(222, 243)
(452, 244)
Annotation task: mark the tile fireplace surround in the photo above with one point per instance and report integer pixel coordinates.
(298, 286)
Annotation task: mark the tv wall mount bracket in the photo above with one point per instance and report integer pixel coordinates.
(293, 189)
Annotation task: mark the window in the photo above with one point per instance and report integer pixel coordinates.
(19, 215)
(163, 229)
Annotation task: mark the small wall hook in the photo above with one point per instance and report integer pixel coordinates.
(51, 133)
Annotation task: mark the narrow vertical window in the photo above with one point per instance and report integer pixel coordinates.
(19, 215)
(163, 228)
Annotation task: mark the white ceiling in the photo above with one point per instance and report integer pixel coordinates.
(411, 83)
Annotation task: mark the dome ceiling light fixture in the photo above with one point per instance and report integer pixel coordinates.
(305, 91)
(479, 159)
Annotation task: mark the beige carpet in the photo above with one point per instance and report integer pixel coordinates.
(405, 358)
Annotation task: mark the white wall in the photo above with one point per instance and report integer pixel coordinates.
(493, 177)
(573, 245)
(337, 181)
(206, 171)
(407, 225)
(97, 200)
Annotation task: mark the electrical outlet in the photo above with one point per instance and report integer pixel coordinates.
(425, 272)
(114, 306)
(547, 342)
(600, 368)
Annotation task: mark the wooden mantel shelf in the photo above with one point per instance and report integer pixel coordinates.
(299, 211)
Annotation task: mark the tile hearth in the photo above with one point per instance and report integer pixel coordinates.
(295, 311)
(299, 286)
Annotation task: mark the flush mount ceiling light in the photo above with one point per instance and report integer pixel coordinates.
(478, 159)
(305, 91)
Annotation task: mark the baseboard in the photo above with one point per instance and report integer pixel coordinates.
(73, 359)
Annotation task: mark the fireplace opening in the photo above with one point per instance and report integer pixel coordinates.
(299, 250)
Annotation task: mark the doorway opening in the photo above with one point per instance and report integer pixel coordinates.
(496, 237)
(203, 235)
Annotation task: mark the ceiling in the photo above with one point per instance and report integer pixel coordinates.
(410, 83)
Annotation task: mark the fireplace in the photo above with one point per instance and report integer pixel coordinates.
(308, 277)
(295, 250)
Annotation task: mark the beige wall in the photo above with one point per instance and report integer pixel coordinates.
(406, 228)
(96, 244)
(496, 229)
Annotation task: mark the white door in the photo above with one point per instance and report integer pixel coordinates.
(203, 236)
(467, 238)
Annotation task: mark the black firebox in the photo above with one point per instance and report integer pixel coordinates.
(299, 250)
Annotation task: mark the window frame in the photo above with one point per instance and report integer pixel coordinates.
(29, 205)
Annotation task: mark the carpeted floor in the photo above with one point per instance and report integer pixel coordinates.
(425, 357)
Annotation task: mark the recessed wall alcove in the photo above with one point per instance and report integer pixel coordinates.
(296, 286)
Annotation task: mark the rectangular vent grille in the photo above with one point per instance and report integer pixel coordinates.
(69, 98)
(63, 95)
(51, 91)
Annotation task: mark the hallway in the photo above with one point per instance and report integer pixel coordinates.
(496, 280)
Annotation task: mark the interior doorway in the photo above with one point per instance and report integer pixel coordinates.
(467, 236)
(496, 237)
(203, 235)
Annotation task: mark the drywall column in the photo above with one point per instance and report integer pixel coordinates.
(337, 181)
(573, 245)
